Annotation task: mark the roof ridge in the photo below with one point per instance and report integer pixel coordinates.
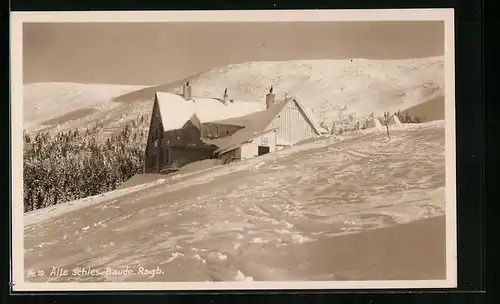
(207, 97)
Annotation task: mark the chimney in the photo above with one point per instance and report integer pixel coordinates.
(225, 98)
(270, 98)
(186, 91)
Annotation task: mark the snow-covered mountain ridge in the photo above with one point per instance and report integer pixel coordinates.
(323, 86)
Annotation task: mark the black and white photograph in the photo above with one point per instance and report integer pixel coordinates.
(197, 150)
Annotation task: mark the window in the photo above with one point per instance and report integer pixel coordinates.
(265, 141)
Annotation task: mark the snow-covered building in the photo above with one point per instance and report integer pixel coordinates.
(185, 129)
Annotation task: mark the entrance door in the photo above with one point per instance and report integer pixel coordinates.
(261, 150)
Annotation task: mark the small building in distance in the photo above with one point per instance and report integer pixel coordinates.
(186, 129)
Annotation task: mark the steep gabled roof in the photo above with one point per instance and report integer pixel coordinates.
(175, 110)
(256, 121)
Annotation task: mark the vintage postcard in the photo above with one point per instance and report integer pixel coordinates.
(233, 150)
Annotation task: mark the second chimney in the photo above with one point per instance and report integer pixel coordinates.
(270, 98)
(186, 91)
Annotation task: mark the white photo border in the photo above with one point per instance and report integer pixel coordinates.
(17, 20)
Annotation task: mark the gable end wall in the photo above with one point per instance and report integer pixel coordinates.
(292, 125)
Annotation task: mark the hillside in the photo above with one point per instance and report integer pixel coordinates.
(65, 106)
(281, 216)
(323, 86)
(430, 110)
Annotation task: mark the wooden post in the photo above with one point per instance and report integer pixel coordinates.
(169, 161)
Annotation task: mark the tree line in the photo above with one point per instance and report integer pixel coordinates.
(79, 163)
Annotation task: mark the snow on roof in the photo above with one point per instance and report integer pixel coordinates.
(253, 125)
(242, 136)
(175, 110)
(256, 121)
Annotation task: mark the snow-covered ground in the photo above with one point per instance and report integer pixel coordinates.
(322, 86)
(249, 220)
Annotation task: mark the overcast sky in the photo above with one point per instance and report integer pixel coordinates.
(155, 53)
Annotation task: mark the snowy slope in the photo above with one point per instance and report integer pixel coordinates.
(48, 104)
(252, 219)
(322, 86)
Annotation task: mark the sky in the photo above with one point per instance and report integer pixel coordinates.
(157, 53)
